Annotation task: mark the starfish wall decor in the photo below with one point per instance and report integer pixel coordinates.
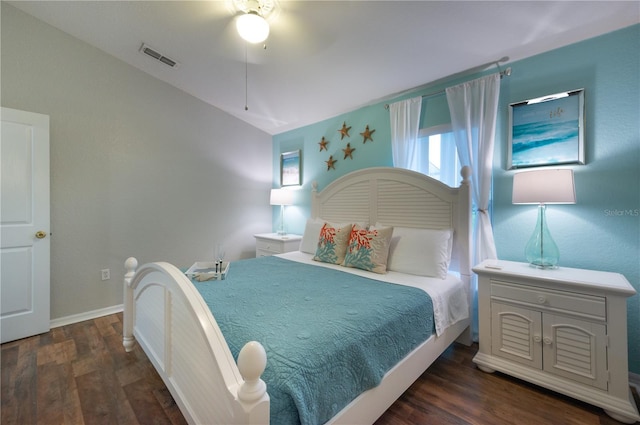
(331, 163)
(344, 131)
(367, 134)
(348, 151)
(323, 144)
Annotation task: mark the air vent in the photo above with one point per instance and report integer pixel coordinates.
(149, 51)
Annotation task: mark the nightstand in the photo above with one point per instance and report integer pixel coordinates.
(273, 243)
(562, 329)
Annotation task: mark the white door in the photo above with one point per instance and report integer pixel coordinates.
(24, 225)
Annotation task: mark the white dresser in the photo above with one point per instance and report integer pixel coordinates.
(563, 329)
(272, 243)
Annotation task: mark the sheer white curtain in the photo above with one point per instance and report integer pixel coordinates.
(473, 107)
(449, 169)
(405, 125)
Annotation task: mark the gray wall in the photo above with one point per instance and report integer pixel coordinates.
(138, 168)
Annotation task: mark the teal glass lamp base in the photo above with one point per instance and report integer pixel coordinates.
(281, 231)
(541, 251)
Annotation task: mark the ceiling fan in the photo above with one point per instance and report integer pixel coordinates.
(252, 24)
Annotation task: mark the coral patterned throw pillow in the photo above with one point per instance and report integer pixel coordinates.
(332, 243)
(368, 249)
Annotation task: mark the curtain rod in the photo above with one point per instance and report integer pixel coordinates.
(505, 73)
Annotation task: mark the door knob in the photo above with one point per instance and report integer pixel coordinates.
(41, 234)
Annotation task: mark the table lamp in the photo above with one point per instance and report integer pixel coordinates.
(281, 197)
(542, 187)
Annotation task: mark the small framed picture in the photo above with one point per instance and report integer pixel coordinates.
(548, 130)
(290, 169)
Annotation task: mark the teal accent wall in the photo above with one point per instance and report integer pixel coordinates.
(601, 231)
(374, 153)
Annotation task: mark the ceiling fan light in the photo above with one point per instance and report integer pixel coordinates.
(252, 27)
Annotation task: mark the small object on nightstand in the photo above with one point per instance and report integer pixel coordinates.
(492, 265)
(271, 243)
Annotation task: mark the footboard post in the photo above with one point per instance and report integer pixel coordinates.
(252, 394)
(127, 327)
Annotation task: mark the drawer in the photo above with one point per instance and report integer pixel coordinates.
(562, 301)
(273, 247)
(262, 253)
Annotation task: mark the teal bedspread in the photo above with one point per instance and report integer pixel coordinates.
(328, 335)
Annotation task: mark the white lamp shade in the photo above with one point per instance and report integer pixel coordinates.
(549, 186)
(281, 197)
(252, 27)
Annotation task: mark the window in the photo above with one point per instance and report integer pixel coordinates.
(437, 156)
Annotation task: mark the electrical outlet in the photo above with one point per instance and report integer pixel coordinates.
(106, 275)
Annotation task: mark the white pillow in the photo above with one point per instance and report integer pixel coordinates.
(423, 252)
(309, 242)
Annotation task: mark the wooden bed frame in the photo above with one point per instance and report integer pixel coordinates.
(179, 334)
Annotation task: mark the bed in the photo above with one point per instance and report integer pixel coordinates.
(218, 381)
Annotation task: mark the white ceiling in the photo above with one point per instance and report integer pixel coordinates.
(325, 58)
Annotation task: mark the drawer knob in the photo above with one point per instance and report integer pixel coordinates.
(541, 299)
(547, 340)
(537, 338)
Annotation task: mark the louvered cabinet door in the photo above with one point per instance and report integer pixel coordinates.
(575, 349)
(516, 334)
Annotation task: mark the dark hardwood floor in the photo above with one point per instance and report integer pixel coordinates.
(80, 374)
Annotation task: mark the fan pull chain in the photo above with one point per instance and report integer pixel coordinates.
(246, 75)
(246, 78)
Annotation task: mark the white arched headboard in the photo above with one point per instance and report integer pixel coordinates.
(403, 198)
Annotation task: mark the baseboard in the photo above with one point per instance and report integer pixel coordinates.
(89, 315)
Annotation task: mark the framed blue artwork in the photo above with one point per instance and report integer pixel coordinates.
(548, 130)
(290, 169)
